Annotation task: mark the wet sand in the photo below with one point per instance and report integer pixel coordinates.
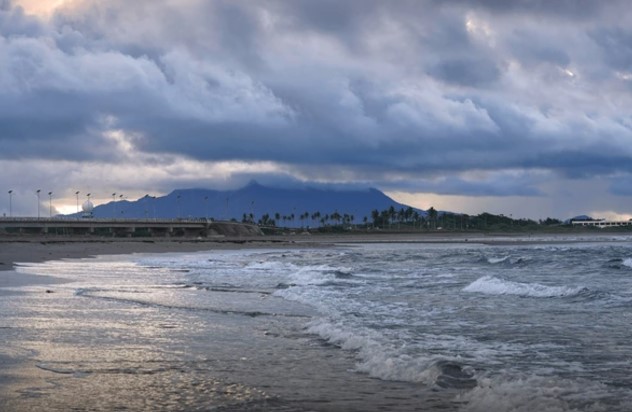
(39, 249)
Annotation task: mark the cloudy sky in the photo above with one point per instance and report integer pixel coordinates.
(517, 107)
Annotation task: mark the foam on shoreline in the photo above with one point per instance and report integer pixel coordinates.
(43, 248)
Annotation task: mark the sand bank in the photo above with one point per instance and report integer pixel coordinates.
(41, 249)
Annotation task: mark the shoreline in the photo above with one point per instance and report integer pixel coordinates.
(41, 249)
(32, 249)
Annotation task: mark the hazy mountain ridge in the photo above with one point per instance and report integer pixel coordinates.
(256, 199)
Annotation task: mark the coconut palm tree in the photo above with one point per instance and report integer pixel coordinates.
(375, 215)
(432, 217)
(391, 214)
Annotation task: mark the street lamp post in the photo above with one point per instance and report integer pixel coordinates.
(11, 203)
(50, 204)
(206, 206)
(114, 205)
(77, 194)
(38, 202)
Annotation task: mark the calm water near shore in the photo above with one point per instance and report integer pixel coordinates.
(361, 327)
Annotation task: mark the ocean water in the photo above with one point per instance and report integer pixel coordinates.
(446, 327)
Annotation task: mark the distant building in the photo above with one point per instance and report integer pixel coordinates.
(88, 209)
(601, 223)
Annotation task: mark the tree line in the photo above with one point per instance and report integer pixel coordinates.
(306, 219)
(392, 218)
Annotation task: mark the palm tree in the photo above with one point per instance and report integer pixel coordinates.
(384, 217)
(391, 215)
(265, 220)
(432, 216)
(303, 217)
(375, 215)
(409, 214)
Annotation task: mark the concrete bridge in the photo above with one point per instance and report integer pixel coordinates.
(125, 227)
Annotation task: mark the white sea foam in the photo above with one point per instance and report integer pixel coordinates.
(493, 286)
(266, 265)
(494, 260)
(627, 262)
(375, 357)
(535, 393)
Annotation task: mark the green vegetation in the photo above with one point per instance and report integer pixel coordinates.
(405, 220)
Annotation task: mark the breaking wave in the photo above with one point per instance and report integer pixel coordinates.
(379, 360)
(493, 286)
(493, 260)
(536, 393)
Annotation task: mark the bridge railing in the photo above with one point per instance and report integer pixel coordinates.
(5, 219)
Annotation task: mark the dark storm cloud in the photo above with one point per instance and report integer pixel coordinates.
(622, 185)
(365, 86)
(616, 45)
(534, 47)
(467, 72)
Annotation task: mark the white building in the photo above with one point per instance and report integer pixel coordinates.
(601, 223)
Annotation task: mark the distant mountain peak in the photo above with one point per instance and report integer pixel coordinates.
(257, 200)
(252, 183)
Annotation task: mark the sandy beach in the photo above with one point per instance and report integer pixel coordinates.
(42, 249)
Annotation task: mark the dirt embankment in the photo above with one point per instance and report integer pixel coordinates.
(231, 229)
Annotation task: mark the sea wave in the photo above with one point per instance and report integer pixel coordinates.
(320, 275)
(494, 286)
(535, 393)
(375, 358)
(379, 359)
(495, 260)
(627, 262)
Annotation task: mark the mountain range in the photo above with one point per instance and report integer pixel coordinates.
(254, 199)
